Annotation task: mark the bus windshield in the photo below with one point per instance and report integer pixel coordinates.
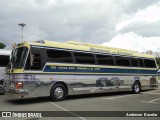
(18, 57)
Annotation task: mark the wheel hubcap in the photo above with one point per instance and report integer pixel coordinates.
(136, 88)
(58, 92)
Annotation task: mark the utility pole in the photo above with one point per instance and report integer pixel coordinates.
(22, 26)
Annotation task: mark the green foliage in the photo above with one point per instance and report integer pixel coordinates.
(2, 45)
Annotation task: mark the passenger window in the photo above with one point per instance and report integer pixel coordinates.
(150, 63)
(59, 56)
(84, 58)
(105, 60)
(122, 61)
(141, 63)
(134, 62)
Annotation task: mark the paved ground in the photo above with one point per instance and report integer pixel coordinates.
(119, 101)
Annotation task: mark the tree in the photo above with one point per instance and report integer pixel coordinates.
(2, 45)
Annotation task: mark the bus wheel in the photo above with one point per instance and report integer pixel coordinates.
(58, 92)
(136, 87)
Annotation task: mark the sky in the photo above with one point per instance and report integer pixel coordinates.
(130, 24)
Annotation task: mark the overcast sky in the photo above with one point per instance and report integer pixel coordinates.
(131, 24)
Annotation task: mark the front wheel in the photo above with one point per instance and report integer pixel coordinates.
(136, 88)
(58, 92)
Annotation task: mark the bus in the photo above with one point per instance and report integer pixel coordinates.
(4, 60)
(55, 69)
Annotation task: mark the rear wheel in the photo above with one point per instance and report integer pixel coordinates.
(136, 88)
(58, 92)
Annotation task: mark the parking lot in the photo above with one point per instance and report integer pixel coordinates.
(119, 101)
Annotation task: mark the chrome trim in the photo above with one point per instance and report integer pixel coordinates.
(58, 92)
(18, 92)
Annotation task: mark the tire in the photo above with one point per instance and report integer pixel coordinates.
(136, 88)
(1, 90)
(58, 92)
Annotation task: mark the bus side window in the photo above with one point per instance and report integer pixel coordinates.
(141, 64)
(35, 61)
(59, 56)
(149, 63)
(134, 62)
(84, 58)
(4, 60)
(122, 61)
(105, 60)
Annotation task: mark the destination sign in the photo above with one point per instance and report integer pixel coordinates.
(93, 49)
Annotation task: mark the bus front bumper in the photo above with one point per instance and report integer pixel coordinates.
(17, 92)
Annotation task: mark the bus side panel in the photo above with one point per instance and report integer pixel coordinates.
(41, 84)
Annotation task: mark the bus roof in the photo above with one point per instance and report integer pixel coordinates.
(5, 52)
(87, 47)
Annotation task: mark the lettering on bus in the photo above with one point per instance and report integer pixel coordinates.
(125, 53)
(111, 52)
(74, 68)
(99, 50)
